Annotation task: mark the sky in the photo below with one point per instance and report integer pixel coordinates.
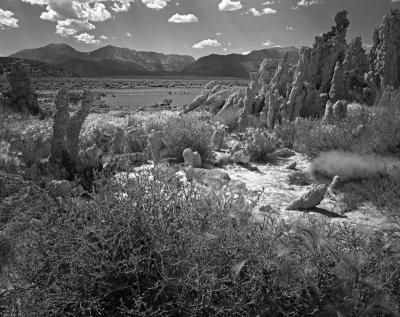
(192, 27)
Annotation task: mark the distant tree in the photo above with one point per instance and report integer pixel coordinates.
(22, 95)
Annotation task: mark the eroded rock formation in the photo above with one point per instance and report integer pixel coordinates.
(385, 52)
(64, 144)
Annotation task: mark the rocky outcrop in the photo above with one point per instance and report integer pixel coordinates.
(282, 78)
(22, 95)
(4, 103)
(217, 139)
(385, 52)
(117, 143)
(64, 144)
(338, 88)
(75, 124)
(355, 66)
(60, 125)
(315, 70)
(156, 144)
(132, 142)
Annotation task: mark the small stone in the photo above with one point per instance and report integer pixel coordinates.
(285, 152)
(191, 158)
(292, 166)
(310, 199)
(61, 188)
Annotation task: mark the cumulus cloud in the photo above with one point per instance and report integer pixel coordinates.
(268, 43)
(290, 28)
(86, 38)
(246, 53)
(257, 13)
(229, 5)
(156, 4)
(38, 2)
(186, 18)
(7, 19)
(206, 43)
(128, 34)
(70, 27)
(306, 3)
(121, 5)
(269, 11)
(104, 37)
(76, 17)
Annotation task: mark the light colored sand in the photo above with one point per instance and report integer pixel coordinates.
(278, 193)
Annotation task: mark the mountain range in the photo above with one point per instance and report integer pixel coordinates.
(115, 61)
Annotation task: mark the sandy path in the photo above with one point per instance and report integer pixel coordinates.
(278, 193)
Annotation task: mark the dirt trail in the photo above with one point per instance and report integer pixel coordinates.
(273, 179)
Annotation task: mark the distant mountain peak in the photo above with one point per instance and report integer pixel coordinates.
(111, 60)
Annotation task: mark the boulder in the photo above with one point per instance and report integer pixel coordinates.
(191, 158)
(309, 200)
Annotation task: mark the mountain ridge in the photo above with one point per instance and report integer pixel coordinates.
(118, 61)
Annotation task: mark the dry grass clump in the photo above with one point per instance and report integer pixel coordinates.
(259, 144)
(151, 245)
(188, 132)
(229, 118)
(366, 132)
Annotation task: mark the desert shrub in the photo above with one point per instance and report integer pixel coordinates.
(150, 245)
(368, 131)
(286, 133)
(188, 132)
(23, 135)
(259, 144)
(98, 129)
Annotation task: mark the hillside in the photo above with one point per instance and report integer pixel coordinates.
(237, 65)
(37, 69)
(106, 61)
(116, 61)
